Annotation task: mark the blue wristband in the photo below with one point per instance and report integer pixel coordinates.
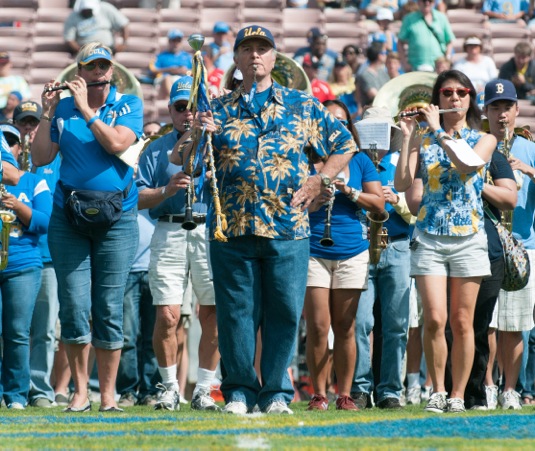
(439, 131)
(91, 121)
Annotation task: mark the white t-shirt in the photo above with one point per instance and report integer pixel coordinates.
(478, 73)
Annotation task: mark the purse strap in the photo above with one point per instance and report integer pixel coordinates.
(490, 214)
(432, 30)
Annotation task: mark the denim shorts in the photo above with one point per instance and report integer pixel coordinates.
(451, 256)
(179, 257)
(92, 269)
(350, 274)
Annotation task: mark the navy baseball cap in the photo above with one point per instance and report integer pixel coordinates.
(254, 32)
(180, 89)
(500, 89)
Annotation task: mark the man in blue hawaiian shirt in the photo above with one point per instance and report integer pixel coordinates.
(260, 132)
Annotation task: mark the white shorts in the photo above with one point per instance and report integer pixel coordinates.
(351, 273)
(416, 311)
(176, 254)
(515, 308)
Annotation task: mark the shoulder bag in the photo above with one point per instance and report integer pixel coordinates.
(517, 265)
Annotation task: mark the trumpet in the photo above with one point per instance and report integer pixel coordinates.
(63, 87)
(326, 239)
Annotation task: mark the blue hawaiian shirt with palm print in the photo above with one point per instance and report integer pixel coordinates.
(261, 162)
(451, 203)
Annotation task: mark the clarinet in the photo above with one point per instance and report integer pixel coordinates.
(189, 223)
(327, 240)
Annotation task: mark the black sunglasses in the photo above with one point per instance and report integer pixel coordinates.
(180, 108)
(102, 65)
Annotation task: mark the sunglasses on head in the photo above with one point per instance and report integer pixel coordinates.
(180, 107)
(102, 65)
(461, 92)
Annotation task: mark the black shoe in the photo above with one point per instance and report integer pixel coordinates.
(362, 400)
(389, 403)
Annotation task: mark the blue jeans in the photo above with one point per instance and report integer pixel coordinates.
(43, 332)
(138, 365)
(259, 283)
(526, 378)
(18, 291)
(92, 268)
(389, 282)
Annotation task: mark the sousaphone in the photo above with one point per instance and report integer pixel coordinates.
(411, 90)
(286, 73)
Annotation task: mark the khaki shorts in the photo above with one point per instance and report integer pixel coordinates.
(515, 308)
(351, 273)
(451, 256)
(179, 258)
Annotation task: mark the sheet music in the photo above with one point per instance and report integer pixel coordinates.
(374, 133)
(464, 152)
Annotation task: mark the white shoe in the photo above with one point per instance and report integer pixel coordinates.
(426, 393)
(456, 405)
(168, 398)
(235, 407)
(16, 406)
(437, 403)
(203, 401)
(510, 400)
(492, 396)
(414, 396)
(278, 407)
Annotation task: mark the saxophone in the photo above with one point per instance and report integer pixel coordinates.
(25, 154)
(378, 234)
(7, 217)
(507, 215)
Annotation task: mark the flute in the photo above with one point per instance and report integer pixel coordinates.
(416, 113)
(62, 87)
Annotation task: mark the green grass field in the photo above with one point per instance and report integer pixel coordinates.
(142, 428)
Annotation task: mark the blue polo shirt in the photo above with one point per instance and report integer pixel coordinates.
(347, 229)
(24, 252)
(85, 163)
(168, 59)
(155, 170)
(396, 225)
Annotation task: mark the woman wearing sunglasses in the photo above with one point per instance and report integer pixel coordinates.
(92, 261)
(338, 270)
(449, 255)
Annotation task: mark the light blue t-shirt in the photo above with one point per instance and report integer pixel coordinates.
(85, 163)
(508, 7)
(524, 213)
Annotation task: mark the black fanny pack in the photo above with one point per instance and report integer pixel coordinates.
(93, 209)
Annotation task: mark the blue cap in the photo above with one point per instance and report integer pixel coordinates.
(97, 54)
(480, 99)
(180, 89)
(221, 27)
(10, 129)
(500, 89)
(175, 33)
(17, 94)
(254, 32)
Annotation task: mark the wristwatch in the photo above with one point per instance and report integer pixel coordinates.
(325, 180)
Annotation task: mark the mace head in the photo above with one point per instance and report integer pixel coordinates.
(196, 41)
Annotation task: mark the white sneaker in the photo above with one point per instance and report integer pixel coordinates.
(510, 400)
(168, 398)
(437, 403)
(414, 396)
(16, 406)
(426, 393)
(235, 407)
(278, 407)
(492, 396)
(203, 401)
(456, 405)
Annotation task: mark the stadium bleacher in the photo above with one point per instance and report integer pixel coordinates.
(36, 45)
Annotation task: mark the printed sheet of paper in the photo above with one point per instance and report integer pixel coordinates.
(465, 153)
(374, 133)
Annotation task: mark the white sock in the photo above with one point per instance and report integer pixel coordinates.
(168, 375)
(204, 379)
(413, 380)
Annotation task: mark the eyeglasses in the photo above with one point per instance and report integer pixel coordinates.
(102, 65)
(461, 92)
(180, 107)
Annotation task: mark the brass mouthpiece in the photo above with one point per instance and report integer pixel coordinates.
(187, 125)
